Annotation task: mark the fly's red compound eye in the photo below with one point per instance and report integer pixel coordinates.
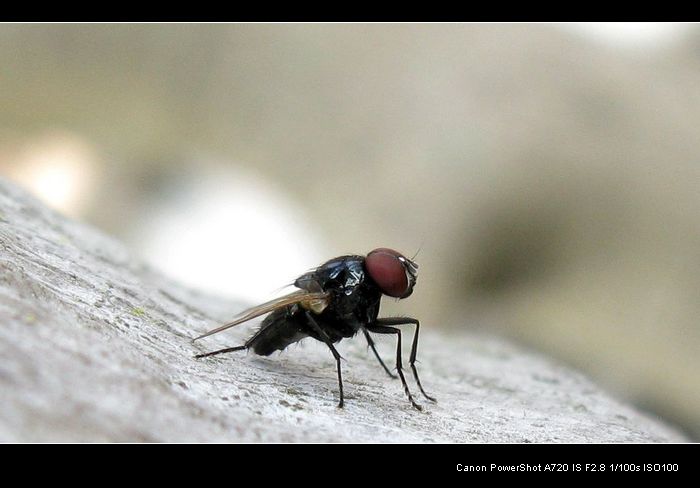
(394, 274)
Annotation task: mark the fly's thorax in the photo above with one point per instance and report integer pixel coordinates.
(354, 297)
(343, 275)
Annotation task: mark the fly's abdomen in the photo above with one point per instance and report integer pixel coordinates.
(281, 328)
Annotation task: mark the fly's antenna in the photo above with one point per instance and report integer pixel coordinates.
(419, 249)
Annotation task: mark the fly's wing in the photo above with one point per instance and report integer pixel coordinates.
(314, 301)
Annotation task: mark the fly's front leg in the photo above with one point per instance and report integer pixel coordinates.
(381, 329)
(336, 355)
(374, 349)
(414, 347)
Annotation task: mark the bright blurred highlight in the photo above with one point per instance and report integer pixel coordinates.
(230, 233)
(59, 168)
(631, 34)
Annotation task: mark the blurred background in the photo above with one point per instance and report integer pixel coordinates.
(548, 173)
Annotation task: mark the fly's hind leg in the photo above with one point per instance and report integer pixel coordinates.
(221, 351)
(225, 350)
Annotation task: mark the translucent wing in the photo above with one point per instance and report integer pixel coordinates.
(314, 301)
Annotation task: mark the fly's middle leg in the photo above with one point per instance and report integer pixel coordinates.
(336, 355)
(370, 341)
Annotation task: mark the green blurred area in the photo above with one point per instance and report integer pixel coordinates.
(551, 182)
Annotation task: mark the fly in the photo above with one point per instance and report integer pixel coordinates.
(336, 301)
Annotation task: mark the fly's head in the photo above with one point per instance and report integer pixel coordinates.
(394, 273)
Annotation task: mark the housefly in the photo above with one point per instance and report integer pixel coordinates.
(334, 301)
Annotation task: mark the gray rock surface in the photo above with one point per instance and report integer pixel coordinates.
(95, 346)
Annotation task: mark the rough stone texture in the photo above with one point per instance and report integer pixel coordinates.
(95, 346)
